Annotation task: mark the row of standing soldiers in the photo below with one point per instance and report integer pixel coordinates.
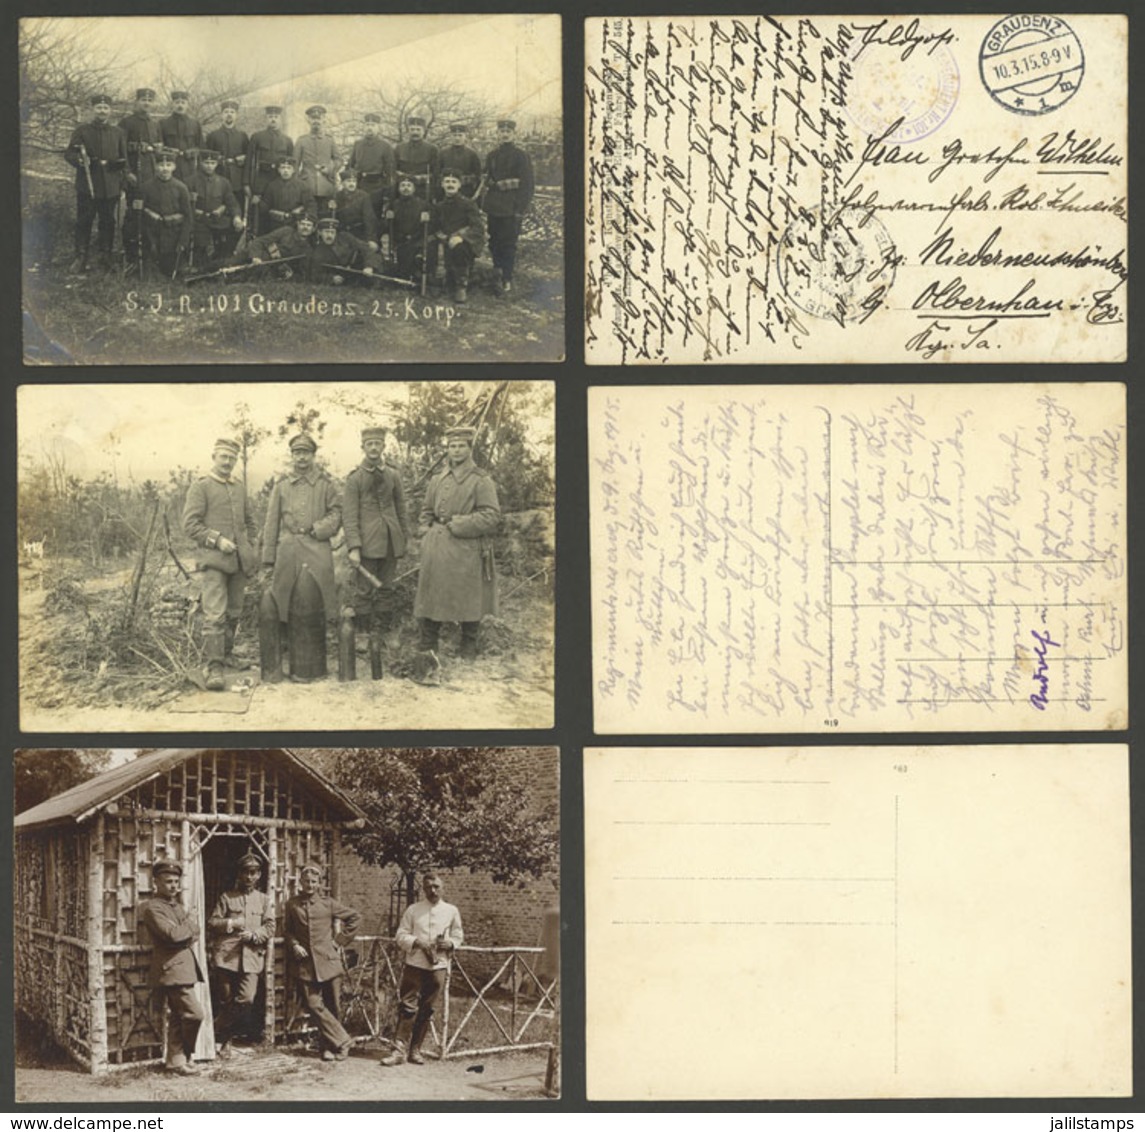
(163, 219)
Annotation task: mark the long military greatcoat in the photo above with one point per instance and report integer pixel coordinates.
(458, 581)
(318, 164)
(106, 149)
(297, 504)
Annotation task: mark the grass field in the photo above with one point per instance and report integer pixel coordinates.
(108, 318)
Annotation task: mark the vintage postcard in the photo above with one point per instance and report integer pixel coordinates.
(308, 188)
(882, 922)
(863, 558)
(277, 557)
(200, 925)
(856, 189)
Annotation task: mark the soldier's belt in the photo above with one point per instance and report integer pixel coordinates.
(508, 183)
(173, 218)
(266, 166)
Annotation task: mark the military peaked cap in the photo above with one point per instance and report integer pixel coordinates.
(373, 433)
(250, 860)
(104, 99)
(230, 104)
(458, 128)
(273, 110)
(372, 117)
(286, 159)
(415, 121)
(461, 432)
(330, 223)
(177, 94)
(506, 124)
(209, 155)
(144, 92)
(303, 440)
(231, 446)
(171, 868)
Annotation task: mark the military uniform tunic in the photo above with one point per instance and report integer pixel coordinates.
(143, 135)
(183, 133)
(318, 163)
(266, 148)
(231, 143)
(356, 214)
(286, 200)
(106, 148)
(373, 160)
(420, 160)
(457, 581)
(468, 165)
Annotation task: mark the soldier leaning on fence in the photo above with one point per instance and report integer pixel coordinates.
(98, 150)
(457, 580)
(314, 943)
(241, 926)
(144, 140)
(335, 250)
(459, 234)
(174, 973)
(429, 933)
(508, 194)
(165, 205)
(183, 134)
(418, 158)
(285, 198)
(354, 210)
(318, 161)
(216, 211)
(217, 518)
(465, 161)
(407, 226)
(377, 530)
(267, 146)
(372, 158)
(231, 144)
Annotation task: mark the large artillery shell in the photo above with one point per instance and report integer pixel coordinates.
(306, 628)
(347, 646)
(269, 638)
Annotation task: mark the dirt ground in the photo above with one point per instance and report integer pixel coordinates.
(275, 1075)
(509, 688)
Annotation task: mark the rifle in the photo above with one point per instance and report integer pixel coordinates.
(87, 170)
(233, 270)
(244, 239)
(366, 274)
(191, 254)
(393, 255)
(439, 271)
(120, 219)
(137, 208)
(424, 254)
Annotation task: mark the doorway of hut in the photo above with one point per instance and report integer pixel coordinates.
(221, 855)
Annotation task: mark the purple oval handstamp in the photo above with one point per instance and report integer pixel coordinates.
(904, 82)
(1031, 63)
(840, 268)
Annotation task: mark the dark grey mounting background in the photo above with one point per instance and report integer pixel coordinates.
(573, 729)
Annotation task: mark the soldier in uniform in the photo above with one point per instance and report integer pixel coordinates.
(407, 220)
(285, 198)
(241, 926)
(377, 530)
(98, 150)
(304, 514)
(283, 243)
(267, 146)
(314, 943)
(508, 194)
(372, 158)
(318, 161)
(183, 134)
(418, 158)
(231, 144)
(144, 138)
(459, 234)
(165, 204)
(335, 250)
(217, 519)
(217, 219)
(457, 580)
(175, 970)
(462, 159)
(354, 209)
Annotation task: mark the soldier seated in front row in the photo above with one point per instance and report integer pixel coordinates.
(285, 197)
(407, 219)
(287, 242)
(216, 210)
(337, 251)
(459, 234)
(165, 205)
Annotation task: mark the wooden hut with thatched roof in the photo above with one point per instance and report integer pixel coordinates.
(83, 868)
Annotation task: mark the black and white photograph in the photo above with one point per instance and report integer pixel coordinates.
(321, 188)
(285, 557)
(287, 925)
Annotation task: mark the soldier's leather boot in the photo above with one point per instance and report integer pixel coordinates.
(215, 681)
(430, 632)
(229, 644)
(469, 631)
(401, 1039)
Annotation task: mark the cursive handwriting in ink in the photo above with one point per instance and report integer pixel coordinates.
(1042, 674)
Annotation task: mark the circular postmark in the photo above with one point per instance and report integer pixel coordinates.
(840, 268)
(902, 99)
(1031, 64)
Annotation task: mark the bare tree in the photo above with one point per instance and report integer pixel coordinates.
(428, 96)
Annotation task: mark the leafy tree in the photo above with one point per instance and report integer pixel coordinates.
(250, 434)
(444, 807)
(38, 775)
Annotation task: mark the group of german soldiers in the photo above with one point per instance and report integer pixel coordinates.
(457, 579)
(408, 208)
